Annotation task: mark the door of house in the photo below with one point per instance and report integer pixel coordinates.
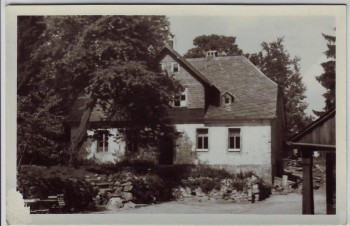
(166, 149)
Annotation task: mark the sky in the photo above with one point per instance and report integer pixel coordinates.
(302, 38)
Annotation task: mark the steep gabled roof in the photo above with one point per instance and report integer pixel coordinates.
(184, 62)
(97, 114)
(255, 94)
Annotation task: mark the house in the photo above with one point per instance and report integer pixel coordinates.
(229, 115)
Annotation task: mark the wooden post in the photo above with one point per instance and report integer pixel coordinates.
(308, 192)
(330, 183)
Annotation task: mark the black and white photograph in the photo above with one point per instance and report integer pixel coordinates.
(156, 112)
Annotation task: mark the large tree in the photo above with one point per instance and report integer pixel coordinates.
(276, 63)
(109, 60)
(225, 45)
(327, 78)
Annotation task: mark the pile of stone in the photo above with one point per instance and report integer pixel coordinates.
(248, 191)
(283, 186)
(113, 191)
(293, 170)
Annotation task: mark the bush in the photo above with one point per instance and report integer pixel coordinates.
(205, 183)
(137, 166)
(78, 194)
(150, 189)
(209, 171)
(265, 189)
(238, 185)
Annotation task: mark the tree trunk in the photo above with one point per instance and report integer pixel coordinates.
(79, 134)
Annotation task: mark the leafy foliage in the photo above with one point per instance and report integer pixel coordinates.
(225, 45)
(276, 63)
(327, 78)
(107, 58)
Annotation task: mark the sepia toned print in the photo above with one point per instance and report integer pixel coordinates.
(146, 114)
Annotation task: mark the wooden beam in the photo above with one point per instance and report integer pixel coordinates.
(308, 192)
(330, 183)
(311, 147)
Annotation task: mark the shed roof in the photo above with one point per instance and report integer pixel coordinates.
(321, 131)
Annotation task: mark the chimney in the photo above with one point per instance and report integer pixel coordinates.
(211, 54)
(170, 41)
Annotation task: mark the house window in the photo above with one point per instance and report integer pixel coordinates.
(175, 67)
(162, 66)
(102, 140)
(202, 139)
(180, 100)
(227, 100)
(234, 139)
(132, 147)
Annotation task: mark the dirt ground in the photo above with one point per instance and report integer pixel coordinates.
(276, 204)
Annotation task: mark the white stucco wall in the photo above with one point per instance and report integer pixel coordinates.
(255, 145)
(116, 148)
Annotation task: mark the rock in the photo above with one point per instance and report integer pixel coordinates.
(117, 194)
(128, 188)
(96, 175)
(199, 192)
(118, 189)
(109, 195)
(127, 196)
(99, 178)
(253, 179)
(114, 203)
(129, 205)
(188, 190)
(101, 193)
(127, 184)
(184, 192)
(117, 183)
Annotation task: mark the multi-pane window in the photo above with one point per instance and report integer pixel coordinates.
(234, 139)
(202, 139)
(175, 67)
(181, 99)
(102, 140)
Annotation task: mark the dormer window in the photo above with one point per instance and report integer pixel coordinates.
(227, 99)
(175, 67)
(181, 99)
